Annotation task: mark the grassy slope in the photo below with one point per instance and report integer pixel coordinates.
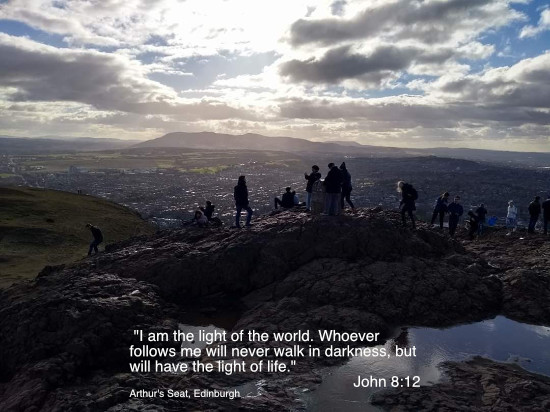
(46, 227)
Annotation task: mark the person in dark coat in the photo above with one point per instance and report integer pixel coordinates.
(98, 238)
(455, 210)
(407, 205)
(534, 213)
(546, 214)
(474, 225)
(440, 208)
(311, 179)
(346, 187)
(288, 199)
(240, 194)
(481, 213)
(333, 188)
(208, 210)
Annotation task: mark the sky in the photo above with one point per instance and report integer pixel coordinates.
(416, 73)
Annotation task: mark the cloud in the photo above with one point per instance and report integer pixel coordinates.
(105, 81)
(543, 25)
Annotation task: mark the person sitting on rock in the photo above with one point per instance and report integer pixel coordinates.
(546, 214)
(311, 179)
(440, 208)
(455, 210)
(474, 224)
(240, 193)
(208, 210)
(534, 213)
(288, 199)
(200, 219)
(481, 213)
(407, 205)
(98, 238)
(511, 215)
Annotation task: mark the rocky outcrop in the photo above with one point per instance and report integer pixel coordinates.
(477, 385)
(64, 337)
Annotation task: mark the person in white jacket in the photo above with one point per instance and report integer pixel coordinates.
(512, 215)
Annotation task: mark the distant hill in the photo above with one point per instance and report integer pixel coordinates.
(30, 145)
(251, 141)
(46, 227)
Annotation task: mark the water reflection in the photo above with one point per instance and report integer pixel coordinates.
(500, 339)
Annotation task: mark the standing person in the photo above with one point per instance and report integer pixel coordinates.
(511, 216)
(240, 194)
(455, 211)
(474, 222)
(333, 187)
(346, 187)
(98, 238)
(440, 208)
(311, 178)
(481, 213)
(408, 196)
(534, 213)
(546, 214)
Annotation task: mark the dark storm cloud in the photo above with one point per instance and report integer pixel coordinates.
(427, 21)
(341, 64)
(104, 81)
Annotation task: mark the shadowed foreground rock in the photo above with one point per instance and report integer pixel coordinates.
(475, 385)
(64, 337)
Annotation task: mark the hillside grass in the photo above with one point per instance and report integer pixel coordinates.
(47, 227)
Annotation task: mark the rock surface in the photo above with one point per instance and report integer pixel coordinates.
(64, 337)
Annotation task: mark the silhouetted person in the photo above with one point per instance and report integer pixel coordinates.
(240, 194)
(511, 215)
(534, 213)
(311, 178)
(200, 219)
(98, 238)
(407, 205)
(208, 210)
(455, 210)
(546, 214)
(474, 225)
(333, 188)
(481, 213)
(288, 199)
(346, 187)
(440, 208)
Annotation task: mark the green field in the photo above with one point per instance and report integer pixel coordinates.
(46, 227)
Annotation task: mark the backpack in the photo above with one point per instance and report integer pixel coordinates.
(414, 193)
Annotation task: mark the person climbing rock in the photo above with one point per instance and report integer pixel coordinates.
(98, 238)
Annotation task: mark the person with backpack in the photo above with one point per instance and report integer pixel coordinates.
(311, 179)
(346, 187)
(546, 214)
(240, 193)
(440, 208)
(98, 238)
(333, 187)
(534, 213)
(481, 213)
(455, 211)
(409, 195)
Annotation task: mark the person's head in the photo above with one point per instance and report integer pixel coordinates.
(315, 168)
(471, 213)
(198, 214)
(242, 180)
(288, 189)
(481, 205)
(457, 199)
(445, 195)
(330, 165)
(208, 203)
(511, 203)
(537, 198)
(89, 225)
(400, 185)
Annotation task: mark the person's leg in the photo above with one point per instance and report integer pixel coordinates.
(249, 215)
(403, 211)
(331, 205)
(546, 221)
(480, 228)
(434, 216)
(441, 219)
(411, 215)
(452, 225)
(348, 199)
(336, 204)
(308, 200)
(342, 196)
(91, 247)
(238, 216)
